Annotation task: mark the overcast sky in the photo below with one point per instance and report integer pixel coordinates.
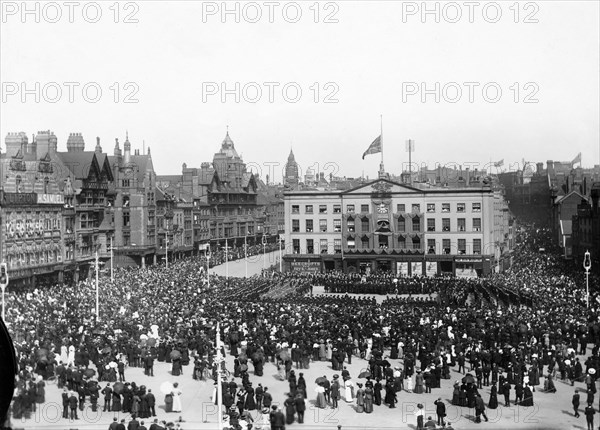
(373, 61)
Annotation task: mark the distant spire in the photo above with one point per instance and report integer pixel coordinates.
(126, 135)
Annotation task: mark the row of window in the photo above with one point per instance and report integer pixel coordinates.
(309, 226)
(415, 208)
(432, 245)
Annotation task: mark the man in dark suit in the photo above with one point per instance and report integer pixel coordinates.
(506, 392)
(142, 426)
(121, 367)
(440, 409)
(73, 405)
(107, 391)
(151, 401)
(113, 425)
(232, 387)
(121, 425)
(149, 365)
(154, 425)
(335, 391)
(134, 424)
(277, 419)
(300, 407)
(65, 403)
(589, 416)
(267, 398)
(519, 392)
(575, 402)
(327, 386)
(259, 396)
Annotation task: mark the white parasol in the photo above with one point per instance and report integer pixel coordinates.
(166, 387)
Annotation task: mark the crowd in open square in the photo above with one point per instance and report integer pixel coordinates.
(435, 353)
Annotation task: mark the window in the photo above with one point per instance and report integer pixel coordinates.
(308, 209)
(476, 246)
(476, 224)
(416, 208)
(400, 208)
(430, 224)
(431, 246)
(296, 246)
(460, 207)
(476, 207)
(462, 246)
(322, 209)
(430, 208)
(295, 209)
(462, 224)
(295, 225)
(364, 225)
(416, 243)
(337, 246)
(309, 225)
(402, 242)
(323, 246)
(46, 185)
(350, 209)
(351, 243)
(18, 184)
(125, 183)
(323, 225)
(364, 243)
(310, 247)
(350, 223)
(401, 224)
(337, 225)
(416, 224)
(445, 246)
(364, 208)
(445, 207)
(337, 209)
(445, 224)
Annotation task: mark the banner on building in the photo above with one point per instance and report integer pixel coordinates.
(306, 266)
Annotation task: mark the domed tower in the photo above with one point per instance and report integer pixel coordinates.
(292, 173)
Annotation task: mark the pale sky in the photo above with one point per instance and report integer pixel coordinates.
(363, 61)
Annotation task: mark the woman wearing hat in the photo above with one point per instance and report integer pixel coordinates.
(419, 382)
(360, 398)
(264, 420)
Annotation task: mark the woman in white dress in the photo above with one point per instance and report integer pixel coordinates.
(409, 384)
(369, 348)
(176, 397)
(349, 391)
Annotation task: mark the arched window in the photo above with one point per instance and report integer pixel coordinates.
(46, 185)
(18, 183)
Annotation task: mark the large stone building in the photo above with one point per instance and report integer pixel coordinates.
(406, 229)
(134, 206)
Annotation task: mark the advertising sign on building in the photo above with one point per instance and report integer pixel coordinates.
(18, 199)
(416, 268)
(50, 199)
(306, 266)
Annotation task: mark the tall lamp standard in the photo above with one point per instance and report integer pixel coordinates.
(97, 288)
(587, 265)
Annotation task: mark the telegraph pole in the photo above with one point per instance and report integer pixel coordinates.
(97, 292)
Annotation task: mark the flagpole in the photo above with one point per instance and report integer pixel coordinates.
(226, 261)
(219, 383)
(410, 161)
(246, 255)
(381, 118)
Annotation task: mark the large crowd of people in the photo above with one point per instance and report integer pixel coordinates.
(517, 330)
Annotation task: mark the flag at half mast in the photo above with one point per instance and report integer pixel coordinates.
(577, 159)
(374, 148)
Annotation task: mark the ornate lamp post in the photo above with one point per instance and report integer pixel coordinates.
(587, 265)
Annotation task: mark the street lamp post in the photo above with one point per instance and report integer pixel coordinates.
(246, 255)
(97, 291)
(587, 265)
(264, 243)
(3, 284)
(167, 248)
(280, 256)
(112, 274)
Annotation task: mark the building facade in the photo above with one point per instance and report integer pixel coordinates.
(406, 229)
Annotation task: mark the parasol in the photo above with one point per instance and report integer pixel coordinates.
(151, 342)
(42, 352)
(106, 350)
(118, 387)
(88, 373)
(166, 387)
(243, 367)
(364, 374)
(592, 371)
(175, 355)
(113, 365)
(468, 379)
(284, 355)
(320, 380)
